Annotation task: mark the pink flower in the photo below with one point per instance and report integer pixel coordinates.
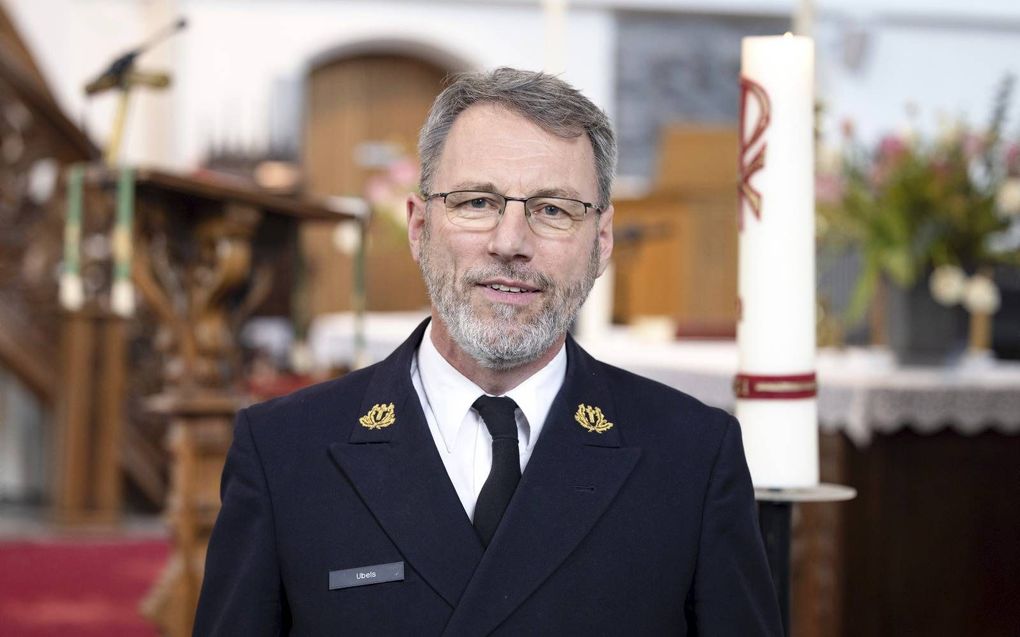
(828, 188)
(973, 145)
(1013, 159)
(891, 147)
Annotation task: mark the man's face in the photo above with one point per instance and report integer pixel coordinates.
(493, 149)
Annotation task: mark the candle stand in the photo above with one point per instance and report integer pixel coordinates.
(775, 513)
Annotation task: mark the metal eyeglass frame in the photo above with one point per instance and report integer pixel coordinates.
(523, 200)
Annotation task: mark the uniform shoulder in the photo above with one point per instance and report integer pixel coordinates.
(328, 410)
(650, 401)
(303, 405)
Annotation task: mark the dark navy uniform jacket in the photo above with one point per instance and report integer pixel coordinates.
(647, 528)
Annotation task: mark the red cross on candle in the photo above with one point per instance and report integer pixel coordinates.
(752, 154)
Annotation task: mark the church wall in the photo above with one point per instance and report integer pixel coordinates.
(238, 67)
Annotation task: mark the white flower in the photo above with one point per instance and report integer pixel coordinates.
(1007, 201)
(947, 284)
(981, 295)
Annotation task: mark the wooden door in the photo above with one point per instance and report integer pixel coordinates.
(352, 101)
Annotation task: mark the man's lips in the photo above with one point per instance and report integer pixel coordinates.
(508, 291)
(509, 285)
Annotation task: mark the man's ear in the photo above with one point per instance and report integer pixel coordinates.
(605, 238)
(416, 221)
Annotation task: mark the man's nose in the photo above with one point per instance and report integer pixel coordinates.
(513, 239)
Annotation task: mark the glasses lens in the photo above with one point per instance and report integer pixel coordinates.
(553, 215)
(474, 209)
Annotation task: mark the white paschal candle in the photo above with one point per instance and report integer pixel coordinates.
(775, 385)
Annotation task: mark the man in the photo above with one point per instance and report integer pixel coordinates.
(490, 477)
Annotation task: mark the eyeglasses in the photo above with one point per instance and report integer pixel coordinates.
(480, 210)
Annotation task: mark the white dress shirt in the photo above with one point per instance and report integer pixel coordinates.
(461, 437)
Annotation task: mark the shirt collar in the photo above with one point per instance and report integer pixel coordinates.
(450, 394)
(535, 395)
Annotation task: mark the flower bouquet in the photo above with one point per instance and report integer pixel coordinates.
(943, 208)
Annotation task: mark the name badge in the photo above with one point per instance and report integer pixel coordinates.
(365, 575)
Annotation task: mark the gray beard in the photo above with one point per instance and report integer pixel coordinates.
(504, 342)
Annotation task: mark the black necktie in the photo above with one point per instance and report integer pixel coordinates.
(498, 414)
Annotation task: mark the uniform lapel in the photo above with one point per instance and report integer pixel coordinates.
(571, 478)
(399, 475)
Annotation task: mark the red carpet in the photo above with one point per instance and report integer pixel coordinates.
(80, 587)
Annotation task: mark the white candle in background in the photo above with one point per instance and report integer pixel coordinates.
(555, 13)
(776, 401)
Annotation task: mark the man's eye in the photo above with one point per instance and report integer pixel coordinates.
(477, 204)
(547, 209)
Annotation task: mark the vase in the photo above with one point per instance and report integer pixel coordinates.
(919, 330)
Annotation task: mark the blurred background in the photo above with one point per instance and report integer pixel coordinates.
(202, 205)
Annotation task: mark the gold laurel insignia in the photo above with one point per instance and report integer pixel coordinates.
(592, 419)
(378, 416)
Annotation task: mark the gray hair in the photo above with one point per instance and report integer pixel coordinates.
(542, 98)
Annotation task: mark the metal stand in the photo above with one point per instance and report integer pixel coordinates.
(775, 512)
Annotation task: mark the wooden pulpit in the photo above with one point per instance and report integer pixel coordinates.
(206, 256)
(676, 250)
